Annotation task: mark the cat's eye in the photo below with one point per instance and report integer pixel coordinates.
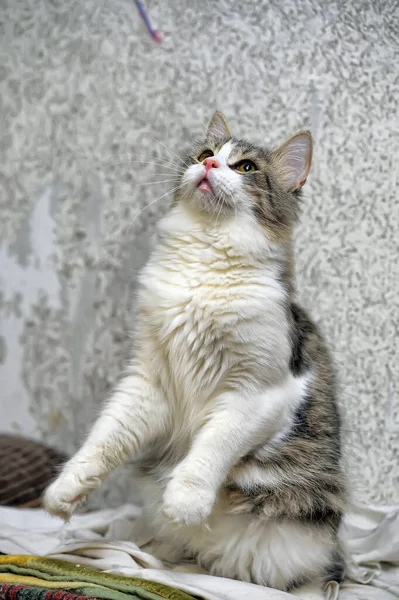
(205, 154)
(245, 166)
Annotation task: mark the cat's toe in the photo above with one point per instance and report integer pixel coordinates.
(62, 497)
(187, 504)
(70, 488)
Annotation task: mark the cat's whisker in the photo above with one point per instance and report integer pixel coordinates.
(111, 160)
(174, 154)
(210, 201)
(219, 202)
(221, 207)
(136, 155)
(155, 182)
(168, 175)
(234, 204)
(147, 162)
(154, 163)
(150, 204)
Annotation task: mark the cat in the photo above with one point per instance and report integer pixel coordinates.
(228, 406)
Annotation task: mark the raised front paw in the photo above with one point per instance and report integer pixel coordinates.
(69, 490)
(188, 502)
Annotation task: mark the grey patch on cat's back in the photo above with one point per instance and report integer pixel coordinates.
(3, 350)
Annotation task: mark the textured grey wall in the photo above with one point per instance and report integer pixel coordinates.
(82, 85)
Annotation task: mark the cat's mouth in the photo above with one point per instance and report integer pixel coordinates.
(205, 185)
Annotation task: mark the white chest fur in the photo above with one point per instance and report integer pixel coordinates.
(211, 317)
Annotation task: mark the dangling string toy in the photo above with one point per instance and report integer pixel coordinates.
(154, 33)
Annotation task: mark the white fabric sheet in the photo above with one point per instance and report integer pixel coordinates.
(102, 540)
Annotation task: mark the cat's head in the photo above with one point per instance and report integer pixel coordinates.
(226, 176)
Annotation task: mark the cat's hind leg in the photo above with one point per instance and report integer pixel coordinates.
(274, 553)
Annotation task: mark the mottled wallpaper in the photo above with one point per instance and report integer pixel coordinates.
(89, 105)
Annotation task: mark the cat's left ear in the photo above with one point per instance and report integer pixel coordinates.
(218, 128)
(294, 158)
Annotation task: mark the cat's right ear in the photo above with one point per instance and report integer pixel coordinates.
(218, 128)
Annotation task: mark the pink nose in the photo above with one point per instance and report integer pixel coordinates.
(210, 163)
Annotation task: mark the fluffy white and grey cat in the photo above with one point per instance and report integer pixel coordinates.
(228, 405)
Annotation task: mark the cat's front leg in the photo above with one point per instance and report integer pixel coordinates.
(239, 423)
(135, 415)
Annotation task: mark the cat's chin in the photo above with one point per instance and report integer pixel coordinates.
(206, 200)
